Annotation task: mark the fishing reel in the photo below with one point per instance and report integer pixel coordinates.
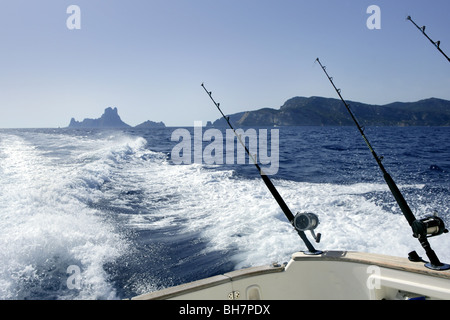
(304, 221)
(423, 229)
(428, 227)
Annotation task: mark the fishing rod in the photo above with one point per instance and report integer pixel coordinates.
(422, 229)
(436, 44)
(301, 221)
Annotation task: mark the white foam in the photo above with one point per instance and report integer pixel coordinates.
(241, 215)
(49, 219)
(44, 228)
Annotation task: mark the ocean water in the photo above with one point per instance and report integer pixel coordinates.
(106, 214)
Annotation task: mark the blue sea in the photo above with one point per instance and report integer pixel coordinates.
(106, 214)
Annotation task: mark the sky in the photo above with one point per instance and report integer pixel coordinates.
(149, 58)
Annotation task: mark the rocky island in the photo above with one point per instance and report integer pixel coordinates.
(150, 124)
(319, 111)
(111, 119)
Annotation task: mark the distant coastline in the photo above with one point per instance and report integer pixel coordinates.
(319, 111)
(111, 119)
(312, 111)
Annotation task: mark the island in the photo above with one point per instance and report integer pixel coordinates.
(111, 119)
(320, 111)
(150, 124)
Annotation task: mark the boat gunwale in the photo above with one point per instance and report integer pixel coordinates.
(209, 282)
(380, 260)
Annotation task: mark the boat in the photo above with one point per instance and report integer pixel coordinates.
(331, 275)
(326, 275)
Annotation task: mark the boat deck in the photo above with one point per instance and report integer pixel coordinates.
(331, 275)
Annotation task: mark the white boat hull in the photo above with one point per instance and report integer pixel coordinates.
(331, 275)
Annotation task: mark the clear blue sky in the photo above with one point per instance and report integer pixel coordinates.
(149, 57)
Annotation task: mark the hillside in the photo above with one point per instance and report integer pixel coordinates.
(319, 111)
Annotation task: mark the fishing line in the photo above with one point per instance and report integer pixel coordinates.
(423, 228)
(435, 43)
(301, 221)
